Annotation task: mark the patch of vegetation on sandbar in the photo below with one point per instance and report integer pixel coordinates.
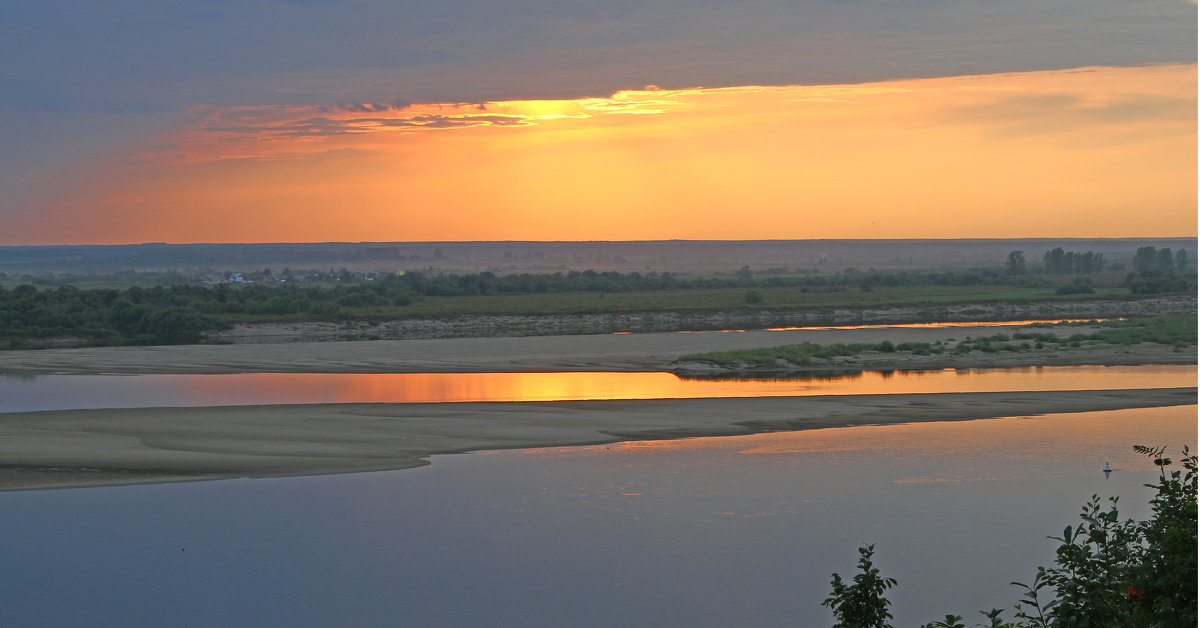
(1177, 330)
(1173, 329)
(804, 353)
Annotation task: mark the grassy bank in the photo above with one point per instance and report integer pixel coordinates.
(707, 300)
(31, 317)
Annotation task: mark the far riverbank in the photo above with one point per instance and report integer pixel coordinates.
(599, 352)
(485, 326)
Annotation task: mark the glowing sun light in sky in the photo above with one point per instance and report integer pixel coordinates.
(1091, 152)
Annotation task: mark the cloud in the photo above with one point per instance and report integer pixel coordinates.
(324, 122)
(321, 127)
(174, 55)
(1080, 105)
(1051, 104)
(214, 134)
(33, 95)
(904, 158)
(27, 95)
(398, 105)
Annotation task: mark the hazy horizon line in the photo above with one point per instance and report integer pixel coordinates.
(633, 241)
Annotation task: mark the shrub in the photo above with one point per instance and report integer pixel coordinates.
(1081, 285)
(1125, 573)
(1107, 572)
(360, 299)
(861, 604)
(177, 325)
(324, 308)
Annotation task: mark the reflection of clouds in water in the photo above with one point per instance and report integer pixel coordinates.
(650, 446)
(1034, 440)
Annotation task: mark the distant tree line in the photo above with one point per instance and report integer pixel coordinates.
(1160, 270)
(123, 277)
(1058, 261)
(1155, 270)
(181, 313)
(152, 316)
(1149, 259)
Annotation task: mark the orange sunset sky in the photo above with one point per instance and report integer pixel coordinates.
(1079, 151)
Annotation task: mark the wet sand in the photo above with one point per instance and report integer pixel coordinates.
(93, 447)
(98, 447)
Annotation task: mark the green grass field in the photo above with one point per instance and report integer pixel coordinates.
(691, 300)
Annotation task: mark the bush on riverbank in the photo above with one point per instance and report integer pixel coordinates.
(1107, 572)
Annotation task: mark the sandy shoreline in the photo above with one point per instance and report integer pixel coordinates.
(101, 447)
(600, 352)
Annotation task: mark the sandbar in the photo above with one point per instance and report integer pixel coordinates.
(78, 448)
(102, 447)
(597, 352)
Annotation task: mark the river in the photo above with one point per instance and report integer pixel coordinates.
(26, 393)
(696, 532)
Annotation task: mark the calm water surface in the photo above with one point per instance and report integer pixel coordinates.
(61, 392)
(943, 325)
(696, 532)
(936, 325)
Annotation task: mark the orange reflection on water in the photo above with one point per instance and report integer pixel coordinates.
(978, 380)
(1020, 438)
(293, 388)
(974, 450)
(946, 324)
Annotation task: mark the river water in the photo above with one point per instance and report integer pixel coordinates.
(62, 392)
(694, 532)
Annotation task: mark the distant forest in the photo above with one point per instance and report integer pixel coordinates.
(512, 256)
(182, 313)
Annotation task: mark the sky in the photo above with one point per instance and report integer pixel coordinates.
(366, 120)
